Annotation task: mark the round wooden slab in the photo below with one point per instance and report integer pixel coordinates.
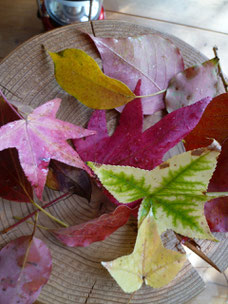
(27, 75)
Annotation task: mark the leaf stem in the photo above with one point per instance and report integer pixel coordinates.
(151, 95)
(34, 212)
(217, 194)
(49, 215)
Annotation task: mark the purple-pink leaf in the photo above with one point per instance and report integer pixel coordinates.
(151, 58)
(40, 138)
(20, 284)
(95, 230)
(192, 84)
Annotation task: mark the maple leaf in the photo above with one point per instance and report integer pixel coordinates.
(214, 124)
(24, 270)
(150, 262)
(94, 230)
(80, 76)
(192, 84)
(14, 185)
(40, 137)
(151, 58)
(176, 190)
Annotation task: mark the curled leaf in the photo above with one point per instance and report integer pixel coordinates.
(192, 84)
(80, 76)
(19, 282)
(95, 230)
(150, 262)
(62, 177)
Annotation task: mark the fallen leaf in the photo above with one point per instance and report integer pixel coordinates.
(151, 58)
(94, 230)
(14, 185)
(23, 284)
(176, 190)
(214, 124)
(192, 84)
(80, 76)
(216, 211)
(40, 137)
(62, 177)
(150, 262)
(129, 145)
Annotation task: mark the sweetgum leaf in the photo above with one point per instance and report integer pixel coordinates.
(95, 230)
(151, 58)
(175, 190)
(129, 145)
(150, 262)
(23, 284)
(192, 84)
(80, 76)
(14, 185)
(62, 177)
(40, 137)
(214, 124)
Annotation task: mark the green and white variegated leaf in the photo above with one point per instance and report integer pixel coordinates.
(176, 190)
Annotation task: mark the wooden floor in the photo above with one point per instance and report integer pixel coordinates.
(203, 24)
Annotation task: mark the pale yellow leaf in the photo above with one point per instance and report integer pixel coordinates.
(150, 262)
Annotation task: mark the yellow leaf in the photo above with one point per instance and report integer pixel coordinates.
(150, 262)
(80, 76)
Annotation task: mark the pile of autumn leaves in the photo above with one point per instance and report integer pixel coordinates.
(129, 163)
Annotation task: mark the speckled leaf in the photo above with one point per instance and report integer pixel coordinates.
(175, 190)
(150, 262)
(62, 177)
(40, 137)
(193, 84)
(23, 285)
(80, 76)
(151, 58)
(95, 230)
(14, 185)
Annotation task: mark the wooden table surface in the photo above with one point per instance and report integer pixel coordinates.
(203, 24)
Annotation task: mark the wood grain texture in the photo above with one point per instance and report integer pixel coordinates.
(27, 75)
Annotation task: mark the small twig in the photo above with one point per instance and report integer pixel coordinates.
(34, 212)
(188, 243)
(5, 88)
(225, 84)
(90, 9)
